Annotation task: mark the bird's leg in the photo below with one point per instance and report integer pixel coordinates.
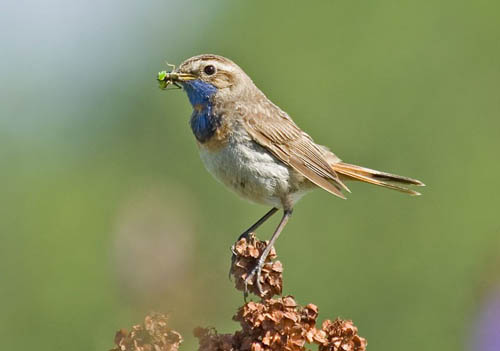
(247, 232)
(256, 271)
(257, 224)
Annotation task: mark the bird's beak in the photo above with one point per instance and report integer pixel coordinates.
(166, 78)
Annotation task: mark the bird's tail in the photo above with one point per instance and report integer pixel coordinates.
(367, 175)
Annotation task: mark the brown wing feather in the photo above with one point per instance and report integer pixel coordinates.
(274, 130)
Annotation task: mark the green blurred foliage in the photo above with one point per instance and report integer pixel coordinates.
(407, 87)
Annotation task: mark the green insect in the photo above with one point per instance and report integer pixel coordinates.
(172, 78)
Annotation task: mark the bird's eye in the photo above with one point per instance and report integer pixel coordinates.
(209, 70)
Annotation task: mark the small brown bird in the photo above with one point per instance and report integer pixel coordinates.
(254, 148)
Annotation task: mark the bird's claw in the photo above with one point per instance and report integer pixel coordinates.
(254, 273)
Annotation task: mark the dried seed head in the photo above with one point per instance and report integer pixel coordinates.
(340, 335)
(275, 324)
(247, 253)
(278, 324)
(152, 335)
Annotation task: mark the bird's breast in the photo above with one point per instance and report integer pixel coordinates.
(248, 169)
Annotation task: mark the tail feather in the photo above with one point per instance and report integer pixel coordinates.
(372, 176)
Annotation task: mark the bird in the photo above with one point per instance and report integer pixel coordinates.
(255, 148)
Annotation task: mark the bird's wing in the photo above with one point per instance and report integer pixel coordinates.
(274, 130)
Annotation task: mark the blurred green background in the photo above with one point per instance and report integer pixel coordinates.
(107, 212)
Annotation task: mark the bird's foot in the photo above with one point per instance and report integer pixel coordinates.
(254, 269)
(255, 273)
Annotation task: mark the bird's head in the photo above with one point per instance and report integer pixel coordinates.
(204, 76)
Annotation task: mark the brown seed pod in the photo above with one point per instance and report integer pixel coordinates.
(340, 335)
(247, 253)
(275, 324)
(152, 335)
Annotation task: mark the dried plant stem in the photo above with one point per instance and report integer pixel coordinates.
(272, 324)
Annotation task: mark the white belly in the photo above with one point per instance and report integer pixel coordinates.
(252, 172)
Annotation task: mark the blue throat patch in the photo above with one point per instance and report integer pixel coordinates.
(204, 122)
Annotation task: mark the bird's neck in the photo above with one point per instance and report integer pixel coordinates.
(204, 122)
